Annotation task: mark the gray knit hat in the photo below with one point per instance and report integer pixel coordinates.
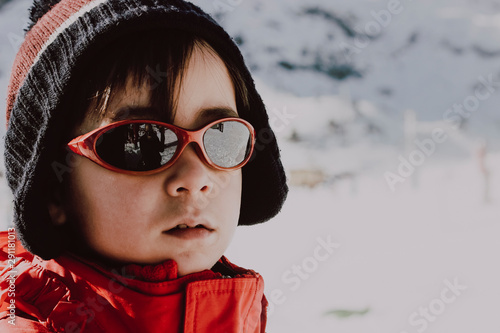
(64, 33)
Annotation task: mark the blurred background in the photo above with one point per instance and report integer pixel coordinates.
(387, 117)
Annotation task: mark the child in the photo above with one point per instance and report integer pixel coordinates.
(136, 144)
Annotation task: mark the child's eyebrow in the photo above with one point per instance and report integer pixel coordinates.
(130, 112)
(217, 113)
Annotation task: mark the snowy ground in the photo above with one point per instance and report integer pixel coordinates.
(396, 250)
(418, 258)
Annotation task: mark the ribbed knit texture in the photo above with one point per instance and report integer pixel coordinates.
(54, 49)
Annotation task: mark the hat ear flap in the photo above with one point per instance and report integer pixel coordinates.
(38, 9)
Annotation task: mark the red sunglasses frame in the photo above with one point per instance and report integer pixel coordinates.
(85, 145)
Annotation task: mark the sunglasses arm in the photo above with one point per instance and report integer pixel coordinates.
(82, 146)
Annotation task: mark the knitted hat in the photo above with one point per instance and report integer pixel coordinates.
(64, 33)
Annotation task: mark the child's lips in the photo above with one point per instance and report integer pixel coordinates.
(190, 229)
(189, 233)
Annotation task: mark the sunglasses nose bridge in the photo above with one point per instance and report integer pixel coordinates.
(194, 138)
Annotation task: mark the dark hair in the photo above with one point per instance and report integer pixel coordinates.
(157, 59)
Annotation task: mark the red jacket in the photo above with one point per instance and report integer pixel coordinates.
(69, 294)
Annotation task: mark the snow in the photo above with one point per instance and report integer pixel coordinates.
(397, 251)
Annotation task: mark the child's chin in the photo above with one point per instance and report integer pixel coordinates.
(186, 267)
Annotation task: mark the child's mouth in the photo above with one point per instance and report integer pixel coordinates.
(189, 232)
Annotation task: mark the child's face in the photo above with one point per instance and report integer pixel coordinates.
(130, 218)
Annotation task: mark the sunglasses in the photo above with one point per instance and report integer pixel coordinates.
(143, 147)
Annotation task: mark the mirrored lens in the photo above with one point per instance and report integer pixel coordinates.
(227, 143)
(137, 146)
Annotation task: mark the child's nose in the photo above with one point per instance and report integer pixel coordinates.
(188, 175)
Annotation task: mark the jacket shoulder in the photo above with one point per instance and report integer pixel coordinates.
(22, 325)
(11, 249)
(28, 292)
